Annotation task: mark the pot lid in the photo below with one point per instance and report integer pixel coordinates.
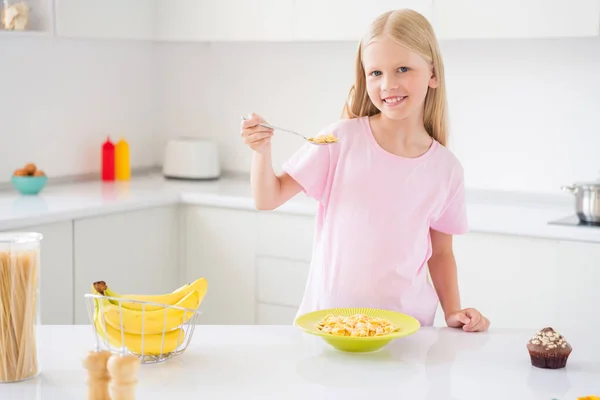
(587, 185)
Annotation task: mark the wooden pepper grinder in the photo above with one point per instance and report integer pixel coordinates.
(98, 377)
(123, 371)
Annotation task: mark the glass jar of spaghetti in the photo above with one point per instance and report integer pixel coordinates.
(19, 306)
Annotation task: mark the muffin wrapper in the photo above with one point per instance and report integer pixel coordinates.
(548, 361)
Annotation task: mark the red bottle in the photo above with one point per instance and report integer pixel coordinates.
(108, 160)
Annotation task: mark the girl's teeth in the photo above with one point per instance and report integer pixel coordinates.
(393, 99)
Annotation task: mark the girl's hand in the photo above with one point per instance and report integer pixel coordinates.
(257, 137)
(469, 319)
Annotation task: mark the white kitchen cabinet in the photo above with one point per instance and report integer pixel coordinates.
(133, 252)
(105, 19)
(280, 281)
(345, 20)
(256, 263)
(220, 245)
(56, 272)
(577, 294)
(269, 314)
(476, 19)
(288, 236)
(311, 20)
(224, 20)
(513, 280)
(524, 282)
(272, 20)
(280, 284)
(283, 254)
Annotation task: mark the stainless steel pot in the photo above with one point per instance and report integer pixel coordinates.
(587, 200)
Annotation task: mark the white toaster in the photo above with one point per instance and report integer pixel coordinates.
(191, 158)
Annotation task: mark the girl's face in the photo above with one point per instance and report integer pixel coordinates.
(397, 78)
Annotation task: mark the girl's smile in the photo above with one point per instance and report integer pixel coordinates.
(394, 101)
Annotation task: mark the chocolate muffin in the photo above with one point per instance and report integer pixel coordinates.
(548, 349)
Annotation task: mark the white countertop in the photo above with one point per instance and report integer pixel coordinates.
(492, 212)
(280, 362)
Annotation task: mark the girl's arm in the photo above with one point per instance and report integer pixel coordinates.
(442, 268)
(269, 190)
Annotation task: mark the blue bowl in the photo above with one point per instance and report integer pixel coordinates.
(29, 185)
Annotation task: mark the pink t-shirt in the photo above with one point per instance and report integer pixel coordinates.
(372, 243)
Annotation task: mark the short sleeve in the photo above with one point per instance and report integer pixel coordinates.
(309, 166)
(453, 216)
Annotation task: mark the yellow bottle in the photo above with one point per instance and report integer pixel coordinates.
(122, 167)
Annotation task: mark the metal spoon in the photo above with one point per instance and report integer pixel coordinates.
(286, 130)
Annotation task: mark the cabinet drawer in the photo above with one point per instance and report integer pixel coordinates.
(268, 314)
(286, 236)
(280, 281)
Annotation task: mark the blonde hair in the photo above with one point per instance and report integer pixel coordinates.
(412, 30)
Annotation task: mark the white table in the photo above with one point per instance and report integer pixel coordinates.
(280, 362)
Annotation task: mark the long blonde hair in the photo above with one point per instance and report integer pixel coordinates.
(412, 30)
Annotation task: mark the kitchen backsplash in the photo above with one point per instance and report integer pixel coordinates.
(60, 98)
(523, 112)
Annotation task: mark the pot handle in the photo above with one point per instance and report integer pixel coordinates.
(569, 189)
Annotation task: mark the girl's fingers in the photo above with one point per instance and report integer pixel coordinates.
(255, 137)
(475, 320)
(252, 121)
(256, 131)
(482, 325)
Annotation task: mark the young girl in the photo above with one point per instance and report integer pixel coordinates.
(390, 194)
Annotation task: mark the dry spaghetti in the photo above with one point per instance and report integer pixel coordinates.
(18, 297)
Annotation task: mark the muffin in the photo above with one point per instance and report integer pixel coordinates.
(548, 349)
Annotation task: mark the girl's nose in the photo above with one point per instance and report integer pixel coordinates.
(389, 83)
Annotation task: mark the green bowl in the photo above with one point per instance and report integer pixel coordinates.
(406, 325)
(29, 185)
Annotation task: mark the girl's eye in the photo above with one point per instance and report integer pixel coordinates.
(376, 73)
(403, 69)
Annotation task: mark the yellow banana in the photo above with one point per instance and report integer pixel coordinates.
(150, 344)
(200, 285)
(149, 322)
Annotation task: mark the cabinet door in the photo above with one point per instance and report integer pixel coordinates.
(455, 19)
(283, 254)
(280, 281)
(56, 272)
(269, 314)
(133, 252)
(345, 19)
(513, 280)
(220, 246)
(105, 19)
(283, 235)
(578, 294)
(224, 20)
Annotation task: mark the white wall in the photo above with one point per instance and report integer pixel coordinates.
(525, 114)
(60, 98)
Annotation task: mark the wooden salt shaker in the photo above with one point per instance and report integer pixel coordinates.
(123, 371)
(98, 377)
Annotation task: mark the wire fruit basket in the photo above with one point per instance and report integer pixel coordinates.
(153, 332)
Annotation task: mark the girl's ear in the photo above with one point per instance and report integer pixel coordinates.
(433, 81)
